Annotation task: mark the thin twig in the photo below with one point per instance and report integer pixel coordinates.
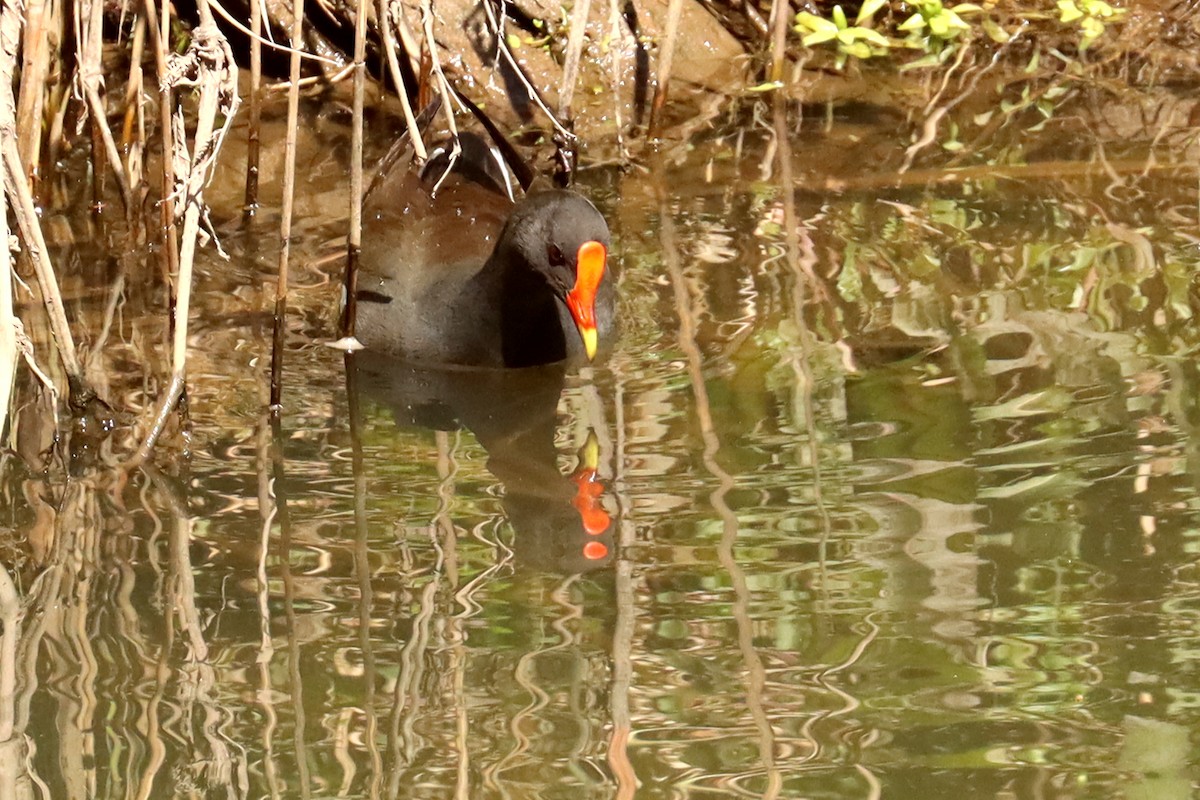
(506, 52)
(293, 50)
(388, 23)
(443, 87)
(570, 73)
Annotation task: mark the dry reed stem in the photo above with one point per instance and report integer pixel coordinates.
(237, 23)
(8, 334)
(207, 65)
(31, 234)
(666, 58)
(253, 134)
(89, 56)
(617, 36)
(443, 86)
(285, 223)
(388, 23)
(504, 50)
(780, 12)
(134, 108)
(25, 211)
(35, 67)
(354, 243)
(570, 73)
(166, 206)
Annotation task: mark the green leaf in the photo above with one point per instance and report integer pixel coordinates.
(994, 31)
(939, 26)
(873, 37)
(1070, 11)
(839, 18)
(914, 23)
(812, 22)
(966, 8)
(816, 37)
(868, 10)
(858, 50)
(955, 21)
(930, 60)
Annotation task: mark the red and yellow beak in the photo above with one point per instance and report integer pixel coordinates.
(581, 300)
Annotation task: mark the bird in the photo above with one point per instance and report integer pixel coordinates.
(455, 271)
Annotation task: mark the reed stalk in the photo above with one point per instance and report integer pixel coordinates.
(666, 57)
(207, 65)
(780, 12)
(285, 225)
(40, 25)
(158, 29)
(8, 333)
(25, 211)
(89, 57)
(252, 135)
(135, 141)
(354, 243)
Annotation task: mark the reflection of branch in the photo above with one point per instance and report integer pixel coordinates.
(626, 616)
(756, 675)
(266, 648)
(406, 697)
(362, 570)
(447, 549)
(803, 275)
(295, 682)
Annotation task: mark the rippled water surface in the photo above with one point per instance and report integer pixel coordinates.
(888, 489)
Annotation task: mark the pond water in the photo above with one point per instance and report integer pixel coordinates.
(888, 489)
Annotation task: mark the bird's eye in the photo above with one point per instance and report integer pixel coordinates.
(555, 256)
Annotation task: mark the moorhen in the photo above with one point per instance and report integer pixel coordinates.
(454, 272)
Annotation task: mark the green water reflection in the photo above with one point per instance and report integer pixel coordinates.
(886, 504)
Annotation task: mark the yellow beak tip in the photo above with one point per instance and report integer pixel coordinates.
(589, 342)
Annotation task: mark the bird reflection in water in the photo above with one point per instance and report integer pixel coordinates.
(560, 521)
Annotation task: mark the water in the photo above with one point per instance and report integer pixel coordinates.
(889, 489)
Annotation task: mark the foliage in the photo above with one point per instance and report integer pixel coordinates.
(1090, 14)
(855, 40)
(935, 29)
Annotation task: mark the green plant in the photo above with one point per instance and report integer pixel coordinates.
(1090, 14)
(852, 40)
(932, 24)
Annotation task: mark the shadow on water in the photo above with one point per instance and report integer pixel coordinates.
(559, 519)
